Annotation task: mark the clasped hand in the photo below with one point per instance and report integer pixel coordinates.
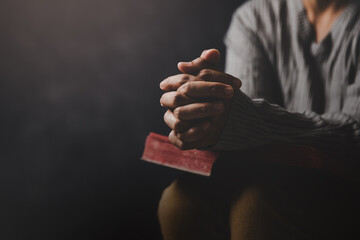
(198, 101)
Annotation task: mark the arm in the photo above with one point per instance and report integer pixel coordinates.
(255, 122)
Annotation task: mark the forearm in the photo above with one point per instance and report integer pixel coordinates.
(254, 123)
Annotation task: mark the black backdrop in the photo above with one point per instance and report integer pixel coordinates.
(78, 95)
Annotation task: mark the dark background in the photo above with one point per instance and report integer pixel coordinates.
(78, 95)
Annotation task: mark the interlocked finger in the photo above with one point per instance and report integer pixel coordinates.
(176, 124)
(210, 75)
(194, 133)
(175, 99)
(206, 90)
(199, 110)
(174, 82)
(178, 143)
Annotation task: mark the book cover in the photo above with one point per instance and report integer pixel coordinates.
(159, 150)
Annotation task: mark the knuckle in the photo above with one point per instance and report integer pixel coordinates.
(186, 136)
(214, 88)
(171, 138)
(185, 78)
(177, 99)
(218, 106)
(178, 125)
(181, 136)
(185, 88)
(203, 108)
(192, 132)
(177, 112)
(180, 144)
(205, 73)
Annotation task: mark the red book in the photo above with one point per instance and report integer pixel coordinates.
(159, 150)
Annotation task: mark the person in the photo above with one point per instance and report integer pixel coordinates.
(292, 77)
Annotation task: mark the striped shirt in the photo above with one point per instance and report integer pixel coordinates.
(294, 90)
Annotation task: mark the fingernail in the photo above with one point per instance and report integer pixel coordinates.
(228, 91)
(218, 107)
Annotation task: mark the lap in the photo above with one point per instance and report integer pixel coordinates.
(306, 203)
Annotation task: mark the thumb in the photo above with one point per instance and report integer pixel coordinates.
(211, 56)
(208, 59)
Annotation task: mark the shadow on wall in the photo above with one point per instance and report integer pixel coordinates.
(78, 95)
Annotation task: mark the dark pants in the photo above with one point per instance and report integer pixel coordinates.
(258, 201)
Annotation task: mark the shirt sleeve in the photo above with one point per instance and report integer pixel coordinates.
(255, 120)
(247, 59)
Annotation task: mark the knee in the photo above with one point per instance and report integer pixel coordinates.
(252, 194)
(175, 204)
(167, 200)
(250, 200)
(176, 211)
(189, 210)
